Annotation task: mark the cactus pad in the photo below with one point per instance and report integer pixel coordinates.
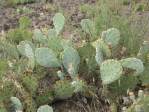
(38, 36)
(101, 50)
(45, 108)
(16, 104)
(110, 70)
(88, 26)
(46, 57)
(111, 36)
(71, 60)
(133, 63)
(58, 21)
(26, 48)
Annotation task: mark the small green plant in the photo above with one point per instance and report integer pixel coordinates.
(24, 10)
(21, 33)
(63, 89)
(17, 35)
(3, 67)
(45, 97)
(30, 83)
(24, 22)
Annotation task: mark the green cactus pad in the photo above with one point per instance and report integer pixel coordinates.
(54, 43)
(99, 55)
(46, 57)
(16, 104)
(38, 36)
(144, 51)
(133, 63)
(110, 70)
(58, 21)
(111, 36)
(101, 50)
(88, 26)
(144, 48)
(45, 108)
(52, 33)
(26, 48)
(71, 60)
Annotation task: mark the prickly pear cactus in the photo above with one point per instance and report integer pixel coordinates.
(99, 55)
(63, 89)
(58, 21)
(144, 51)
(45, 108)
(26, 48)
(52, 34)
(101, 50)
(88, 27)
(54, 43)
(133, 63)
(110, 71)
(46, 57)
(38, 36)
(111, 36)
(71, 60)
(16, 104)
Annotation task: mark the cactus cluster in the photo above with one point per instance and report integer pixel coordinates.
(110, 69)
(49, 50)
